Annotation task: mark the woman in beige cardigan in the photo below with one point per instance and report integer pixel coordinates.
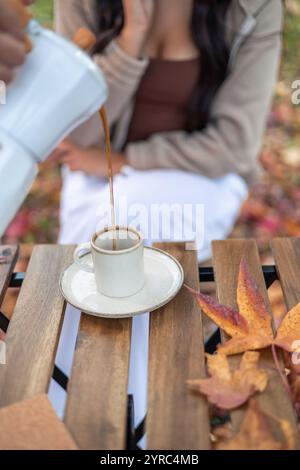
(190, 85)
(189, 97)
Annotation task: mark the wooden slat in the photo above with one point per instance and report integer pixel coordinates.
(34, 330)
(286, 252)
(96, 410)
(8, 259)
(226, 258)
(177, 419)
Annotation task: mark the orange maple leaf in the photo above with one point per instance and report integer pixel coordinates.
(255, 433)
(251, 327)
(227, 389)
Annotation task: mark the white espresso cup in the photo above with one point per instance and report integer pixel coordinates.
(118, 261)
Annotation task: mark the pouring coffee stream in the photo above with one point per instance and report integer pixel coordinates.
(85, 39)
(104, 120)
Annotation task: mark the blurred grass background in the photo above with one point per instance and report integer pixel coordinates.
(43, 10)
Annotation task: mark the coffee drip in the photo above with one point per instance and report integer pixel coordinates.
(108, 152)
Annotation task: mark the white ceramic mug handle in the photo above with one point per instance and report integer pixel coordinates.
(85, 247)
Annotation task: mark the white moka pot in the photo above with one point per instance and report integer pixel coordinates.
(58, 88)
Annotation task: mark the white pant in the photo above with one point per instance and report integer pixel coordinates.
(82, 198)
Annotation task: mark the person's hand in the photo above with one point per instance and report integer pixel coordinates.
(90, 161)
(12, 49)
(138, 18)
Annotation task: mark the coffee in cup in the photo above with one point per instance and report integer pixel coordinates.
(118, 260)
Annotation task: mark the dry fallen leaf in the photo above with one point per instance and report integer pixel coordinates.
(250, 328)
(226, 389)
(255, 433)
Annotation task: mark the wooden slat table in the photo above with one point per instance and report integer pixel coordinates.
(97, 402)
(177, 419)
(35, 327)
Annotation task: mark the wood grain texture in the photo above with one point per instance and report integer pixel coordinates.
(177, 419)
(286, 253)
(226, 259)
(96, 410)
(34, 330)
(8, 257)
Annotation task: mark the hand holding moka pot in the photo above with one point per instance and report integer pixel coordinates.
(54, 91)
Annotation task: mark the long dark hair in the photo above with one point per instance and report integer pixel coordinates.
(209, 35)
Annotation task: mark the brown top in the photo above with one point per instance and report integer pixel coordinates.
(162, 98)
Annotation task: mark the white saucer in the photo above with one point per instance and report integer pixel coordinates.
(163, 279)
